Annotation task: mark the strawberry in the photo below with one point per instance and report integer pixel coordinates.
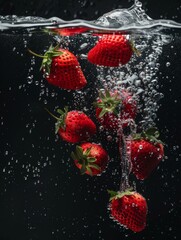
(71, 31)
(146, 153)
(74, 126)
(111, 51)
(108, 105)
(129, 208)
(62, 69)
(90, 158)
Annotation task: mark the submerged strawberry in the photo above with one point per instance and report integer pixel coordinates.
(129, 208)
(74, 126)
(111, 51)
(113, 107)
(71, 31)
(90, 158)
(146, 153)
(62, 69)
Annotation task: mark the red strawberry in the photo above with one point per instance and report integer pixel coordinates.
(146, 153)
(74, 126)
(107, 110)
(100, 33)
(129, 209)
(71, 31)
(111, 51)
(62, 69)
(90, 158)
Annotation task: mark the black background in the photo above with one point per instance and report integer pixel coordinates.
(58, 203)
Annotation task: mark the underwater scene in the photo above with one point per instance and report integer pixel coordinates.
(90, 127)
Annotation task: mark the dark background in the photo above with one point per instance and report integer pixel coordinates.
(42, 196)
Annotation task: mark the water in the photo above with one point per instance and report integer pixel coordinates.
(133, 18)
(43, 195)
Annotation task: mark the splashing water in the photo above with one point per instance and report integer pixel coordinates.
(133, 18)
(139, 77)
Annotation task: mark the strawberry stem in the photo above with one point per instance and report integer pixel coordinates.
(47, 57)
(35, 54)
(52, 114)
(60, 120)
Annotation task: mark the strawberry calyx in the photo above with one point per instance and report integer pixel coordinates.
(151, 135)
(50, 31)
(134, 49)
(85, 160)
(116, 195)
(47, 57)
(108, 103)
(61, 119)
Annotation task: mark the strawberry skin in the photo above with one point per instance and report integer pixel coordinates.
(65, 72)
(78, 127)
(95, 159)
(145, 156)
(110, 120)
(61, 68)
(130, 210)
(129, 108)
(71, 31)
(111, 51)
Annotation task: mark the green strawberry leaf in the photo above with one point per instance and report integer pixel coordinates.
(60, 120)
(116, 195)
(47, 57)
(108, 95)
(83, 168)
(92, 165)
(90, 171)
(101, 95)
(85, 160)
(113, 194)
(87, 152)
(73, 155)
(102, 113)
(152, 132)
(134, 49)
(91, 159)
(66, 109)
(57, 126)
(115, 111)
(100, 104)
(79, 152)
(137, 136)
(108, 103)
